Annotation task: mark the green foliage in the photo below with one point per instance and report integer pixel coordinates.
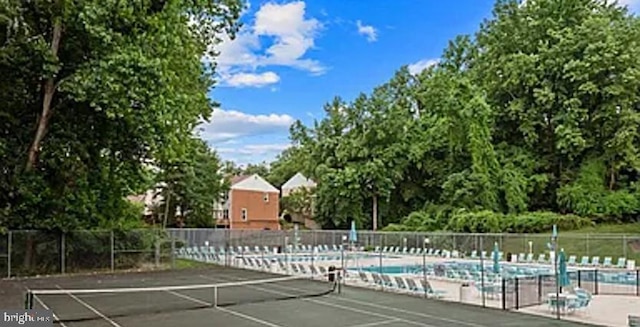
(530, 222)
(538, 111)
(85, 110)
(190, 185)
(588, 195)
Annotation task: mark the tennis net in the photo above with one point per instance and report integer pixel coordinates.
(70, 305)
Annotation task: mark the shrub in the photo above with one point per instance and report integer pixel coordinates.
(529, 222)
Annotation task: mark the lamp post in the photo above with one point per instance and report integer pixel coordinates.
(425, 244)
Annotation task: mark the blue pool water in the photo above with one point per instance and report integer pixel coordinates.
(468, 270)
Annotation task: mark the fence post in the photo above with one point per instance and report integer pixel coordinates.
(517, 293)
(63, 253)
(173, 253)
(539, 288)
(157, 252)
(504, 294)
(9, 243)
(595, 278)
(579, 278)
(113, 251)
(637, 282)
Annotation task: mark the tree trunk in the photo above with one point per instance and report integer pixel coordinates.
(612, 179)
(375, 213)
(49, 89)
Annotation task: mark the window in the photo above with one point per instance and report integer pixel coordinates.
(266, 197)
(244, 214)
(225, 214)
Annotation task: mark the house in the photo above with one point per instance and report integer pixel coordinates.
(251, 203)
(300, 215)
(296, 182)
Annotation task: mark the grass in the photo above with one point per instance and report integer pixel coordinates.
(602, 240)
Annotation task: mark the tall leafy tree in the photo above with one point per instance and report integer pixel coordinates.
(537, 111)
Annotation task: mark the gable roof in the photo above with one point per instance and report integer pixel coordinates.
(253, 183)
(298, 180)
(239, 178)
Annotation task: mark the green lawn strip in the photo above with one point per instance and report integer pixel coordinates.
(604, 241)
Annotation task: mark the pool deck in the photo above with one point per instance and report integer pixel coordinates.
(604, 310)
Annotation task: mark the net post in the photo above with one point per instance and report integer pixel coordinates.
(28, 301)
(9, 250)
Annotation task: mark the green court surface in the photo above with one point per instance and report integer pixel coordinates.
(290, 303)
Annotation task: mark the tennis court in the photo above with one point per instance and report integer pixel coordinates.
(247, 298)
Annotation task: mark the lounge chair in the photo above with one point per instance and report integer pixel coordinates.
(363, 277)
(595, 261)
(386, 280)
(430, 292)
(584, 261)
(572, 260)
(542, 258)
(622, 263)
(607, 262)
(529, 257)
(401, 284)
(377, 279)
(411, 284)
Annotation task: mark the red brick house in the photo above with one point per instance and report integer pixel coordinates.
(252, 203)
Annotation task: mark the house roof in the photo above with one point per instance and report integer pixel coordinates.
(239, 178)
(253, 183)
(298, 180)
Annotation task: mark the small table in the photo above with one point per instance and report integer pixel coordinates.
(563, 301)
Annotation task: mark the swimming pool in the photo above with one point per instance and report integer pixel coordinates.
(321, 256)
(473, 271)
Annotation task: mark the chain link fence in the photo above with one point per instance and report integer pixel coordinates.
(446, 266)
(30, 253)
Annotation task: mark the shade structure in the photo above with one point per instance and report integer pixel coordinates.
(496, 258)
(353, 235)
(563, 276)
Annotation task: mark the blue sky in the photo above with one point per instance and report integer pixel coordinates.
(292, 57)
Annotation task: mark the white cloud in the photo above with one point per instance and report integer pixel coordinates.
(255, 149)
(251, 79)
(631, 4)
(230, 124)
(418, 67)
(367, 30)
(290, 34)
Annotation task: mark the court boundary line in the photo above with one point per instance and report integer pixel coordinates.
(364, 312)
(52, 313)
(238, 314)
(94, 310)
(377, 323)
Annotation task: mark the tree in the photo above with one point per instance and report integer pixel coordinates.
(190, 187)
(92, 91)
(537, 111)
